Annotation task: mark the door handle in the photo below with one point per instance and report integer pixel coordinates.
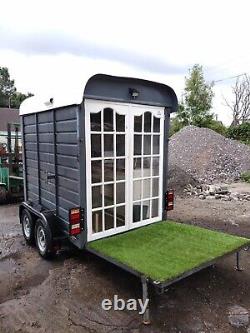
(49, 176)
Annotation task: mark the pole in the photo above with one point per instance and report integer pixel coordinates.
(146, 320)
(238, 268)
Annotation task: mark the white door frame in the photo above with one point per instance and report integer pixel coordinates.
(137, 110)
(129, 110)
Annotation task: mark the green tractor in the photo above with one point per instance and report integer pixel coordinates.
(11, 178)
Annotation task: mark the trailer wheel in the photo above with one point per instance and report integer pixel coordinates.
(3, 194)
(28, 227)
(43, 239)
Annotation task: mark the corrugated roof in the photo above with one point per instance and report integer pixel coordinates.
(8, 116)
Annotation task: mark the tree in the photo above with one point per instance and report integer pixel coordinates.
(194, 108)
(175, 126)
(197, 99)
(7, 87)
(240, 107)
(9, 96)
(18, 98)
(182, 115)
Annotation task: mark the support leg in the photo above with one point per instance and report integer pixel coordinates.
(146, 319)
(237, 267)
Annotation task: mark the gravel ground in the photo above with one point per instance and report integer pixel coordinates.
(206, 156)
(64, 295)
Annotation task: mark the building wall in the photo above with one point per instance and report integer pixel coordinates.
(8, 116)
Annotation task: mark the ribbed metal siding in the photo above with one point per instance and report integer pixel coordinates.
(68, 171)
(51, 148)
(30, 141)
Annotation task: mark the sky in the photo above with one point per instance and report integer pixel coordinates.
(50, 45)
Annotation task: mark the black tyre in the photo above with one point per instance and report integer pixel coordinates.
(3, 194)
(28, 227)
(43, 239)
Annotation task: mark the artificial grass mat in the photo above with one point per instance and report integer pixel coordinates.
(165, 250)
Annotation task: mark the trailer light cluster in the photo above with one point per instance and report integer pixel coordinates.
(170, 200)
(75, 219)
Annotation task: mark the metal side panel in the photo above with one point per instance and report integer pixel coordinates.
(67, 162)
(24, 161)
(45, 152)
(79, 178)
(52, 160)
(30, 162)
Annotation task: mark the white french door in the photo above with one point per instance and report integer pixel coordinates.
(124, 149)
(146, 135)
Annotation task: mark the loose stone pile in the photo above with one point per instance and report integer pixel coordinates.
(206, 156)
(215, 192)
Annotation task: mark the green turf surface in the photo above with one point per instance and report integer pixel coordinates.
(165, 250)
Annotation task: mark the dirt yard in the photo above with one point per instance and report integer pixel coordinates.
(65, 295)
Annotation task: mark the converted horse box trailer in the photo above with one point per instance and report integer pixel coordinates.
(95, 165)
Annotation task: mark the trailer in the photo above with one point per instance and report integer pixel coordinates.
(95, 164)
(95, 171)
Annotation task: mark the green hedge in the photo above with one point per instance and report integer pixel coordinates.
(245, 176)
(240, 132)
(217, 126)
(176, 125)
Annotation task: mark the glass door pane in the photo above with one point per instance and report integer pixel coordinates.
(146, 162)
(108, 162)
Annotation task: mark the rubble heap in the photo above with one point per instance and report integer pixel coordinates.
(206, 156)
(215, 192)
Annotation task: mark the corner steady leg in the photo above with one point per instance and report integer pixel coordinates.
(146, 319)
(237, 267)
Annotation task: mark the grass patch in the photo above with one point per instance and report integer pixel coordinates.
(245, 176)
(165, 250)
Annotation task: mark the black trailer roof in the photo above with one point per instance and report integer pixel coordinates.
(126, 89)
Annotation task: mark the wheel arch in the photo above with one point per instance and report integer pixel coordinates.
(24, 206)
(47, 217)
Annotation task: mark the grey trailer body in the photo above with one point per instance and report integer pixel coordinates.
(83, 153)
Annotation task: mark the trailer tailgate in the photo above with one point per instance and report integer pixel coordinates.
(166, 251)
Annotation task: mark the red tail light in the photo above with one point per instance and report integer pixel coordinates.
(170, 200)
(75, 219)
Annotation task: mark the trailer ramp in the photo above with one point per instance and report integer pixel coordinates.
(166, 252)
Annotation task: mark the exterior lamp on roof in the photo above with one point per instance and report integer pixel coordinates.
(133, 93)
(49, 102)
